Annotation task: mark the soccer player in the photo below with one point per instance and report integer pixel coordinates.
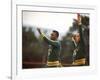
(53, 59)
(79, 54)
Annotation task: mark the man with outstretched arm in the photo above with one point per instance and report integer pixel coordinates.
(53, 59)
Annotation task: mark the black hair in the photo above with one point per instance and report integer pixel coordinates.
(57, 33)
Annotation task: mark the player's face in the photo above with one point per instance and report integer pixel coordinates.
(53, 36)
(77, 37)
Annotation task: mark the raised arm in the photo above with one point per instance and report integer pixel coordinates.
(80, 29)
(51, 42)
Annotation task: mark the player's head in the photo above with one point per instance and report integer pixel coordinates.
(77, 37)
(54, 35)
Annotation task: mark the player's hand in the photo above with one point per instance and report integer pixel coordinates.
(39, 30)
(79, 19)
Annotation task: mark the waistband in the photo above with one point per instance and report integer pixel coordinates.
(53, 63)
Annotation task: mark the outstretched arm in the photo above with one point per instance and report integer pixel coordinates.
(80, 29)
(51, 42)
(79, 26)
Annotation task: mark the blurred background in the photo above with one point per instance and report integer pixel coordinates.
(35, 50)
